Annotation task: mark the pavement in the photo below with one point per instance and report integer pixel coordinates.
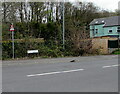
(85, 74)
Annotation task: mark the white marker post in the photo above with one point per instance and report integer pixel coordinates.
(12, 29)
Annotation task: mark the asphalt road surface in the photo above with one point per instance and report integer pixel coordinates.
(86, 74)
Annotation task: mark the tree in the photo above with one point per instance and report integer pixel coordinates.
(77, 25)
(9, 11)
(117, 12)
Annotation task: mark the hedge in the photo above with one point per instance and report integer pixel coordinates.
(21, 48)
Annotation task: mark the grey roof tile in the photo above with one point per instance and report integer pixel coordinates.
(108, 21)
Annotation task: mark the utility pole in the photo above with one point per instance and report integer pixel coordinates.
(63, 25)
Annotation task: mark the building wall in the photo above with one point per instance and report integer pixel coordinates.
(114, 30)
(101, 44)
(98, 30)
(102, 31)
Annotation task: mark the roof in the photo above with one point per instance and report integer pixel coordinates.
(108, 21)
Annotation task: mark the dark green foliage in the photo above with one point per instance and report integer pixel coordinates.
(22, 47)
(6, 34)
(49, 31)
(20, 50)
(116, 52)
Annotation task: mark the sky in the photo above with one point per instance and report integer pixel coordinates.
(110, 5)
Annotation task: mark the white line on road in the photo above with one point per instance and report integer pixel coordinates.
(115, 65)
(106, 66)
(42, 74)
(110, 66)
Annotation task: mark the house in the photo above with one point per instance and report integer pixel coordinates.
(105, 34)
(105, 27)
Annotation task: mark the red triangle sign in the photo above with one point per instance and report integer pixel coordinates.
(12, 28)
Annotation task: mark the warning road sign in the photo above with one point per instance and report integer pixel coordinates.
(12, 28)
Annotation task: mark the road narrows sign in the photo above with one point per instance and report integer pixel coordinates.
(12, 28)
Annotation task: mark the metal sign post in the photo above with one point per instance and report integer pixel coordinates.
(13, 42)
(12, 29)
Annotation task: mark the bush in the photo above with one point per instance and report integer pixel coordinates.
(22, 47)
(116, 52)
(20, 50)
(94, 51)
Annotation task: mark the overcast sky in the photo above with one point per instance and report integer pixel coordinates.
(110, 5)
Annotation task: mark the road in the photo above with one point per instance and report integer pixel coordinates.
(86, 74)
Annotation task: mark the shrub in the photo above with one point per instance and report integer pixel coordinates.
(21, 48)
(116, 52)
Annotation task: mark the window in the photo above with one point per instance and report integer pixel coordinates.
(96, 31)
(103, 21)
(118, 29)
(110, 31)
(96, 22)
(93, 30)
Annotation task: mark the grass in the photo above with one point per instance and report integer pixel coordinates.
(116, 52)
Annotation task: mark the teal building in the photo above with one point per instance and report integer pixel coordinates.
(109, 26)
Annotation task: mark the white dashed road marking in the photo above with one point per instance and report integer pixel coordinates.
(42, 74)
(58, 72)
(110, 66)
